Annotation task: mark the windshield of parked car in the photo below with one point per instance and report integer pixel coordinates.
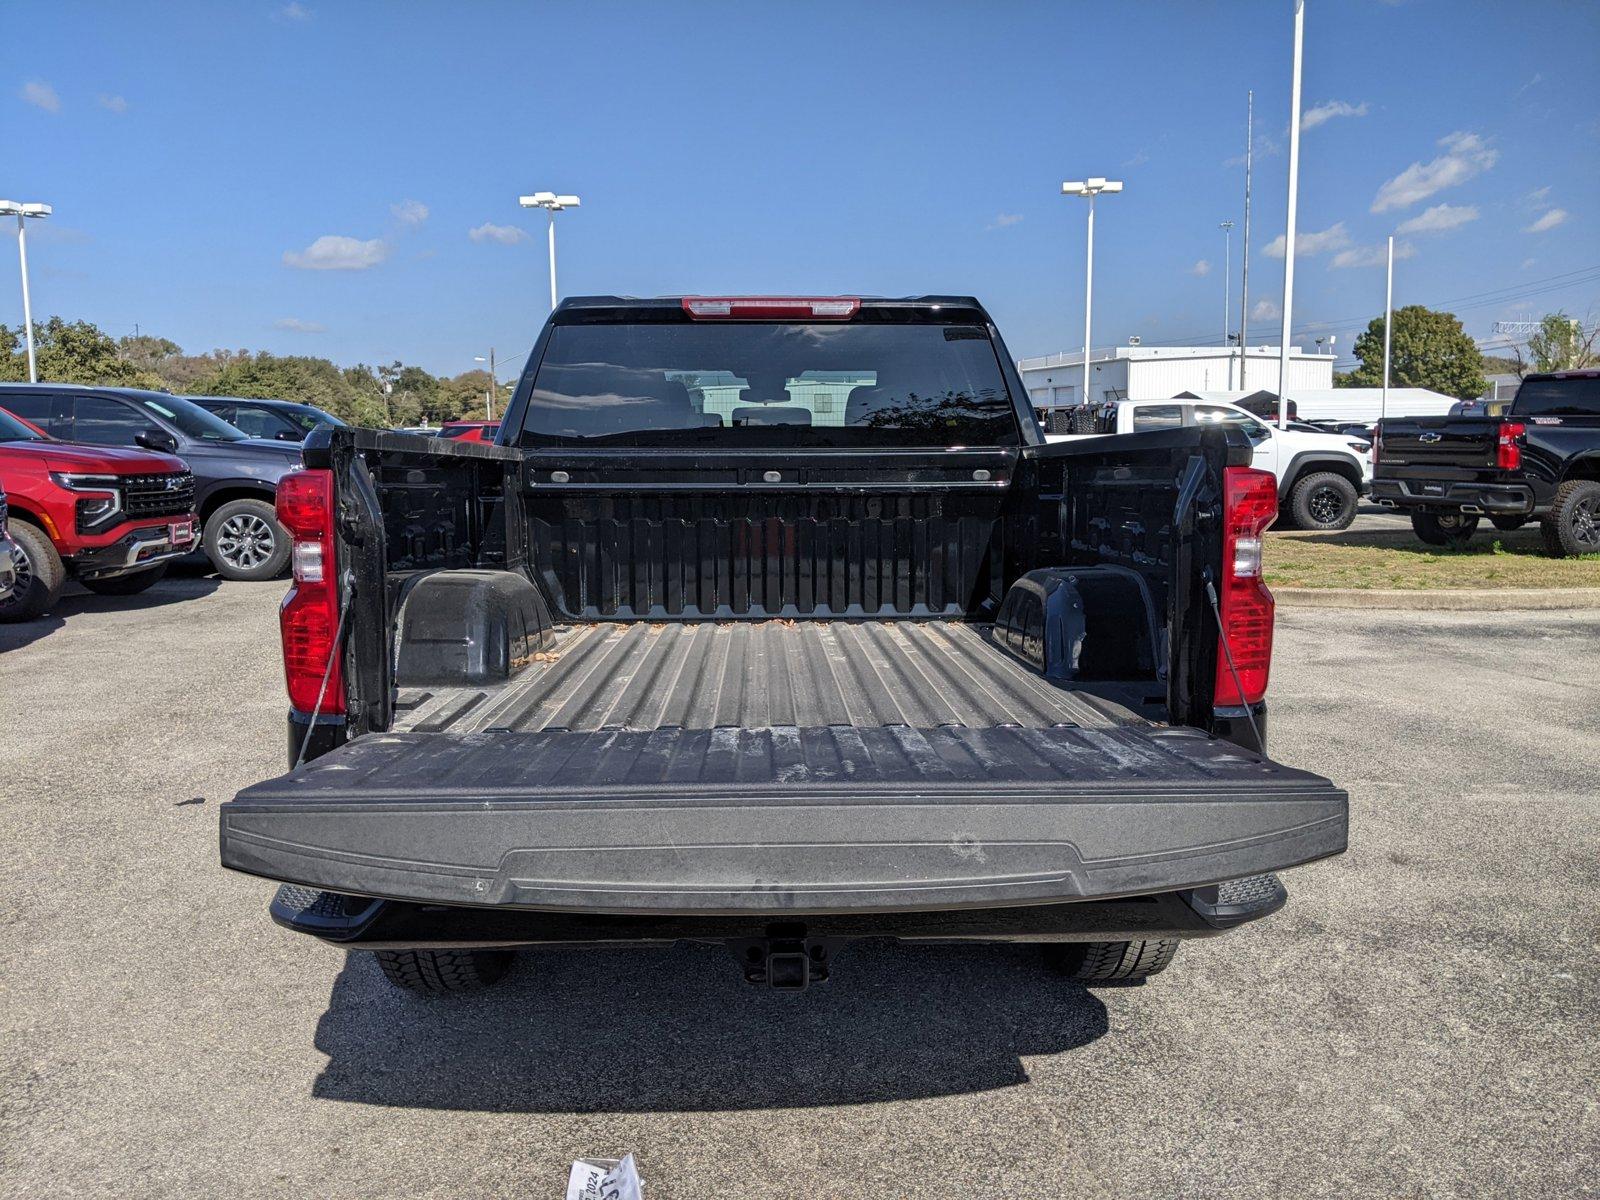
(1575, 397)
(192, 420)
(13, 430)
(735, 384)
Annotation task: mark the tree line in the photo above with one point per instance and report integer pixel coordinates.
(389, 396)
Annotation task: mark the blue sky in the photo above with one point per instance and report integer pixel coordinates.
(196, 155)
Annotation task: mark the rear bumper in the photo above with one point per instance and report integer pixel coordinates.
(742, 822)
(136, 550)
(1427, 495)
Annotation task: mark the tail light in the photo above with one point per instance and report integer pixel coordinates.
(1377, 445)
(1508, 451)
(1250, 500)
(309, 616)
(767, 308)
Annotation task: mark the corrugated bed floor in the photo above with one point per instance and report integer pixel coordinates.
(758, 675)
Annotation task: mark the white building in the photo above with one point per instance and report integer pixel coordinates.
(1160, 372)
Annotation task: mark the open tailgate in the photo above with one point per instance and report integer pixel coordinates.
(780, 819)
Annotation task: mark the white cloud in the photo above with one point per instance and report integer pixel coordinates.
(116, 104)
(1265, 147)
(1370, 256)
(41, 95)
(1200, 268)
(1466, 155)
(1537, 196)
(1439, 218)
(1004, 221)
(295, 12)
(1335, 237)
(296, 325)
(334, 253)
(506, 235)
(1266, 310)
(410, 212)
(1556, 216)
(1323, 113)
(1528, 262)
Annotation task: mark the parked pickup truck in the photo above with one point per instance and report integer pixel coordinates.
(1321, 475)
(775, 623)
(1540, 459)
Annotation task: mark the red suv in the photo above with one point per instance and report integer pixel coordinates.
(110, 518)
(470, 431)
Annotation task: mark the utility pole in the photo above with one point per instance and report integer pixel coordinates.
(1388, 329)
(1227, 282)
(1294, 198)
(1244, 281)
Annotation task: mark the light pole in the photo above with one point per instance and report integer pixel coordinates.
(1090, 188)
(494, 384)
(1227, 292)
(552, 204)
(22, 212)
(1388, 330)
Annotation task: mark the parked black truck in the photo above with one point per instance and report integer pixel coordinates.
(775, 623)
(1539, 460)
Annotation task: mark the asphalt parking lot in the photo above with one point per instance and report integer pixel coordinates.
(1420, 1021)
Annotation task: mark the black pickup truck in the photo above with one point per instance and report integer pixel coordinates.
(774, 624)
(1541, 459)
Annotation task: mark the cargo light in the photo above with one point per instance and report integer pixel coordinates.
(309, 615)
(766, 308)
(1250, 500)
(1508, 450)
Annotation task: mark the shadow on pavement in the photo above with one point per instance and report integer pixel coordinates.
(679, 1030)
(76, 600)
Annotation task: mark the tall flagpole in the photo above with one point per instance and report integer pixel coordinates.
(1244, 281)
(1294, 197)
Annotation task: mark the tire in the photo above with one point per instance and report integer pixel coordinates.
(40, 575)
(127, 585)
(244, 541)
(1115, 962)
(1454, 530)
(1508, 524)
(1324, 501)
(431, 971)
(1573, 525)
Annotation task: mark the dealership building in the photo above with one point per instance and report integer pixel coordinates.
(1161, 372)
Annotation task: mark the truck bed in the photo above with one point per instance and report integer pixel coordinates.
(779, 767)
(753, 675)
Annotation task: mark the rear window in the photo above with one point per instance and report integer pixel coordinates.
(1578, 397)
(767, 384)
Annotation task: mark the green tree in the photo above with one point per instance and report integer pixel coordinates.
(71, 352)
(1429, 350)
(1562, 344)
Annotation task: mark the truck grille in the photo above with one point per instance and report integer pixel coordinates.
(170, 495)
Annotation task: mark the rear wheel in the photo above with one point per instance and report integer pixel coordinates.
(40, 575)
(244, 541)
(430, 971)
(1114, 962)
(1573, 524)
(1508, 524)
(1324, 501)
(1445, 529)
(127, 585)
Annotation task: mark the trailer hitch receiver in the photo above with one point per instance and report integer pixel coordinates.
(786, 959)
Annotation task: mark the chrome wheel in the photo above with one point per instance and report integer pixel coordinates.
(23, 566)
(245, 541)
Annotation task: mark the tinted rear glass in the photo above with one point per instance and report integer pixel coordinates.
(734, 384)
(1578, 397)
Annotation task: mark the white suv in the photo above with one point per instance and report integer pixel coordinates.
(1321, 476)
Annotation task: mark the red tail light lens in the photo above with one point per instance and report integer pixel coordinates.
(1508, 451)
(1250, 499)
(771, 308)
(309, 615)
